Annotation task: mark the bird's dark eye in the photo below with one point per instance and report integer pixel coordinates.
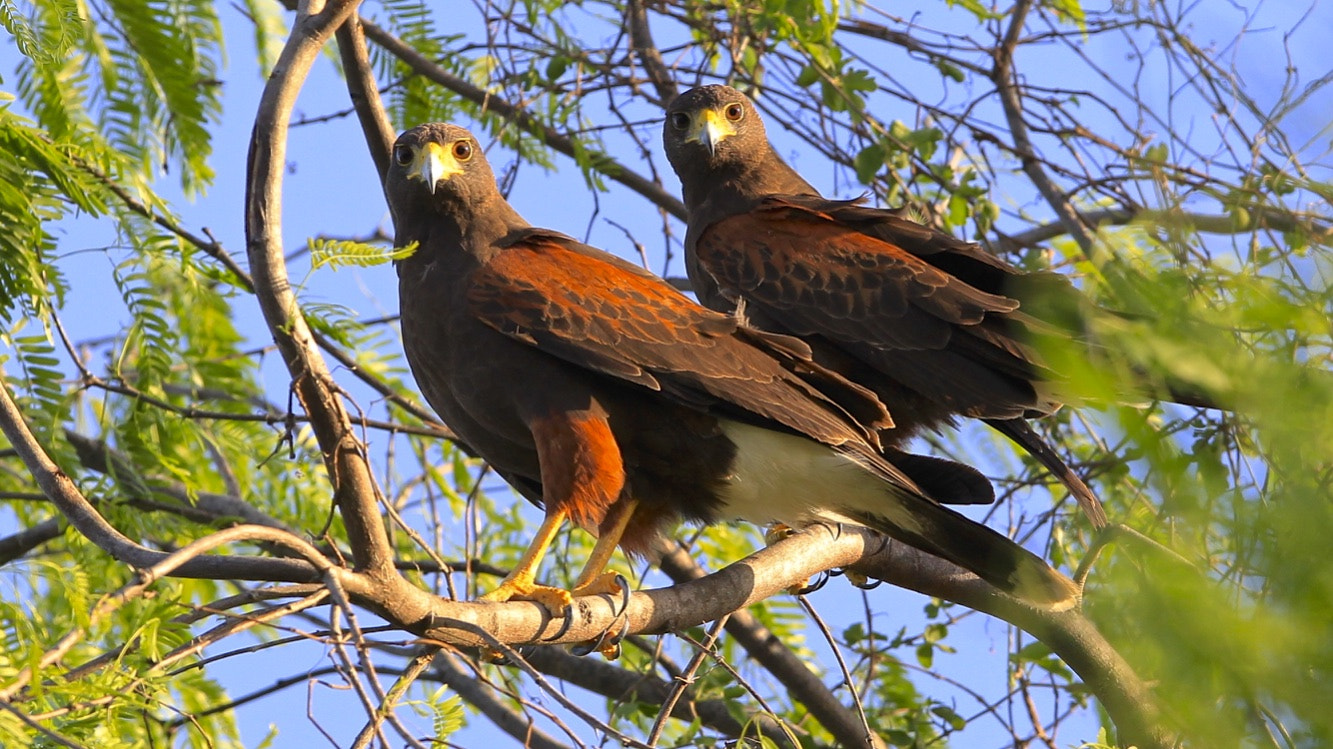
(734, 112)
(402, 155)
(680, 120)
(463, 150)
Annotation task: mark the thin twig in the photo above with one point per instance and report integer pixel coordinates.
(870, 739)
(1005, 79)
(607, 166)
(685, 680)
(415, 667)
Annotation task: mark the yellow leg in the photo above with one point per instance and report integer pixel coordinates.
(593, 580)
(521, 582)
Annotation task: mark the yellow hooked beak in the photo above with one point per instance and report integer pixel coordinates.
(432, 164)
(709, 130)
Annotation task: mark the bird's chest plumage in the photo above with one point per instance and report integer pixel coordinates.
(468, 372)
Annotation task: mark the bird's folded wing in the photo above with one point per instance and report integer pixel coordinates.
(822, 276)
(600, 313)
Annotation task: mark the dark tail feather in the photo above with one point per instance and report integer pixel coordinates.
(949, 482)
(971, 545)
(1022, 433)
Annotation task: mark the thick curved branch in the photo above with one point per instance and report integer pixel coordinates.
(766, 573)
(354, 488)
(770, 571)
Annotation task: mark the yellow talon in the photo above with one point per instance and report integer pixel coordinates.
(555, 600)
(607, 583)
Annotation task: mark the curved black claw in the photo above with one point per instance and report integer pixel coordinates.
(811, 587)
(568, 616)
(865, 583)
(624, 595)
(607, 644)
(857, 579)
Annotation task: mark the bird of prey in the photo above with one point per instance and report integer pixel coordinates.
(619, 404)
(932, 324)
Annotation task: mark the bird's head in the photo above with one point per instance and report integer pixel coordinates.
(716, 124)
(716, 142)
(437, 163)
(438, 178)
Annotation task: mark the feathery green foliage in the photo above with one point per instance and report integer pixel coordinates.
(140, 365)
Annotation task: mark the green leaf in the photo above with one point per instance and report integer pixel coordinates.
(808, 76)
(975, 7)
(947, 714)
(950, 70)
(448, 714)
(341, 253)
(935, 632)
(556, 67)
(869, 161)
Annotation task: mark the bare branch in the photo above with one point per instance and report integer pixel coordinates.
(364, 93)
(641, 36)
(764, 647)
(415, 667)
(448, 668)
(622, 685)
(215, 250)
(60, 489)
(608, 166)
(1318, 230)
(1005, 78)
(354, 487)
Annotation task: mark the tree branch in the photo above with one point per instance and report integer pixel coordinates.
(606, 165)
(354, 487)
(365, 95)
(1006, 83)
(1260, 218)
(622, 685)
(16, 545)
(641, 37)
(450, 671)
(771, 570)
(166, 565)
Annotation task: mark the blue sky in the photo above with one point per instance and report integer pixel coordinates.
(332, 189)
